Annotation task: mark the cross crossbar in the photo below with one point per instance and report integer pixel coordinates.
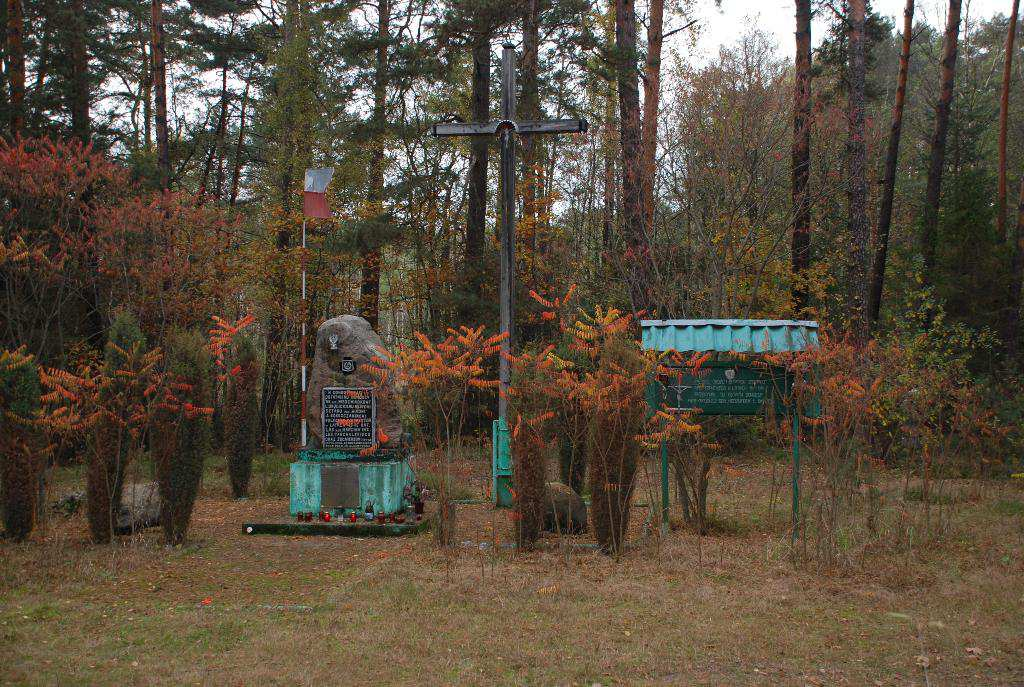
(542, 126)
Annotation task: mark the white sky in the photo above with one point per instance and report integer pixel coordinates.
(777, 18)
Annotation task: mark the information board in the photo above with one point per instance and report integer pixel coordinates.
(349, 417)
(720, 390)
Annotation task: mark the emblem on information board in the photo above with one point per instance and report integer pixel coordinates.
(730, 375)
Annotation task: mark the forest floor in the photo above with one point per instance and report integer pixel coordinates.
(729, 608)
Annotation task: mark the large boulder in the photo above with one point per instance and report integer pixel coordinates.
(564, 510)
(140, 508)
(349, 337)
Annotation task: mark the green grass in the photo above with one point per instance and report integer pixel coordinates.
(728, 608)
(939, 498)
(1009, 507)
(432, 481)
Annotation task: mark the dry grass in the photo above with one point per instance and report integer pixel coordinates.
(729, 609)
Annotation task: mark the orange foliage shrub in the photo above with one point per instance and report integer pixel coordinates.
(436, 378)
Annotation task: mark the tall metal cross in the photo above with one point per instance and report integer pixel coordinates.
(505, 129)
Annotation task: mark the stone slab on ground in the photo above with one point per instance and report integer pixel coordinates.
(140, 508)
(564, 510)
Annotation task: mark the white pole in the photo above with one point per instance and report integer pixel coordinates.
(302, 355)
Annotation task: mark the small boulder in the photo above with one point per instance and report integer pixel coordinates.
(140, 508)
(564, 509)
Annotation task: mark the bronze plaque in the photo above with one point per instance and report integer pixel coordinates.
(339, 486)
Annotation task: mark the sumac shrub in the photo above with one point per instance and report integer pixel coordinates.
(181, 430)
(573, 424)
(19, 463)
(241, 414)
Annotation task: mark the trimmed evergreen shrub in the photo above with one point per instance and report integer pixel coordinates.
(111, 443)
(19, 464)
(530, 449)
(181, 430)
(531, 400)
(241, 414)
(614, 445)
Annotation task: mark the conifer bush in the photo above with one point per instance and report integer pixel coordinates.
(19, 463)
(618, 424)
(241, 415)
(112, 442)
(181, 430)
(531, 399)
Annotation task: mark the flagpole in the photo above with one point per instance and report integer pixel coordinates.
(314, 204)
(302, 352)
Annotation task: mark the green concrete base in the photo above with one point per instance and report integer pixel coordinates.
(501, 465)
(330, 529)
(383, 477)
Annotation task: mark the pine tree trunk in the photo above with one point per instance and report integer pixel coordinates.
(1004, 108)
(933, 188)
(49, 15)
(369, 290)
(239, 144)
(5, 94)
(891, 160)
(476, 213)
(80, 124)
(652, 93)
(218, 138)
(637, 252)
(858, 257)
(1013, 338)
(801, 165)
(146, 82)
(15, 59)
(529, 108)
(160, 86)
(610, 150)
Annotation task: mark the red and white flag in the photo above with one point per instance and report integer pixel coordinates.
(314, 197)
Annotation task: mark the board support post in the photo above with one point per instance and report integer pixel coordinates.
(796, 471)
(664, 488)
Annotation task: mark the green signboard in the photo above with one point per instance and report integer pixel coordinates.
(722, 388)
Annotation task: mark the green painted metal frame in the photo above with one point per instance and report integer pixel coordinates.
(731, 336)
(655, 399)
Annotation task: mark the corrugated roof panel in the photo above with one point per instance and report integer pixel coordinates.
(723, 336)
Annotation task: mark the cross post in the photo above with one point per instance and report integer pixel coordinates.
(506, 129)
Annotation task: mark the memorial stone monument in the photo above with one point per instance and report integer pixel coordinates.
(355, 458)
